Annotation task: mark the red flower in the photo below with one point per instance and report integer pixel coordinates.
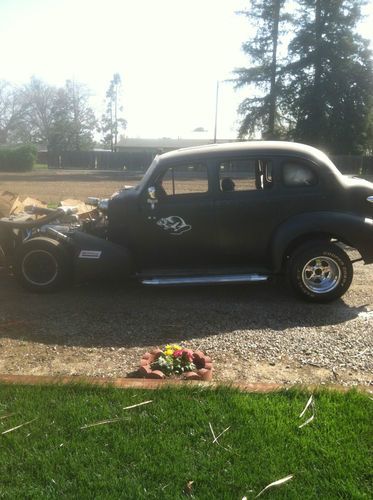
(178, 353)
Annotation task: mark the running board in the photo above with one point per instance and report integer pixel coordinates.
(204, 280)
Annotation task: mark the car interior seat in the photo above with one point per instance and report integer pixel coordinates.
(227, 184)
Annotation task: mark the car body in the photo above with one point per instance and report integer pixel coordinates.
(236, 212)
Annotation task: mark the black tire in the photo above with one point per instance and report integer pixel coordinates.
(42, 265)
(320, 271)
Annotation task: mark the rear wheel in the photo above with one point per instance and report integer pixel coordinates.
(320, 272)
(42, 265)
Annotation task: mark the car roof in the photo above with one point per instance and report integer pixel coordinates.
(268, 147)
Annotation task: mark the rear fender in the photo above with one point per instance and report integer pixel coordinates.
(355, 231)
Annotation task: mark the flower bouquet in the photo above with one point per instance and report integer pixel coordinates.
(175, 360)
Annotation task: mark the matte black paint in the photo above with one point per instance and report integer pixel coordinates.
(247, 228)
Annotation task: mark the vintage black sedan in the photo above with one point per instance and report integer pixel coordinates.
(227, 213)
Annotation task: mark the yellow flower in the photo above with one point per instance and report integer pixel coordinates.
(168, 352)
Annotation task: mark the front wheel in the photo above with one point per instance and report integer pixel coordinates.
(42, 265)
(320, 272)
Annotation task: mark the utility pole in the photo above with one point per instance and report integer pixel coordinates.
(216, 110)
(116, 118)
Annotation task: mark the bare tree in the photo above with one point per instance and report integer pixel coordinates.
(12, 111)
(73, 119)
(58, 118)
(41, 99)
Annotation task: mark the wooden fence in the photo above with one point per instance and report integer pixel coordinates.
(140, 161)
(98, 160)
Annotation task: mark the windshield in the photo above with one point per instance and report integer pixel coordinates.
(148, 173)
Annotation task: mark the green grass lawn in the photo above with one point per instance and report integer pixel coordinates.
(154, 450)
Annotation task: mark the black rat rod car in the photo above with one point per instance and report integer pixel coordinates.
(228, 213)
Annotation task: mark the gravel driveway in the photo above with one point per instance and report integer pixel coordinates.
(253, 333)
(256, 333)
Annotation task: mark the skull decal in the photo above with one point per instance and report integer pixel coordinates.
(174, 225)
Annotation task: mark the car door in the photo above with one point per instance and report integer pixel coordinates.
(245, 206)
(177, 221)
(265, 192)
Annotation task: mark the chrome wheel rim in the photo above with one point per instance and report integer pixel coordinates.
(321, 274)
(39, 267)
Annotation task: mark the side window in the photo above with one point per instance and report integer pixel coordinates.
(184, 179)
(245, 175)
(298, 174)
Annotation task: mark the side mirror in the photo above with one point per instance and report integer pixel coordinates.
(152, 193)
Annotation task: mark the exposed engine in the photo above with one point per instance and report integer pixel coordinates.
(58, 223)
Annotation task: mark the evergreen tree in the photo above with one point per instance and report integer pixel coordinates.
(110, 121)
(329, 95)
(262, 111)
(369, 145)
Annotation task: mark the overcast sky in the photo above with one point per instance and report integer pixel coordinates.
(169, 53)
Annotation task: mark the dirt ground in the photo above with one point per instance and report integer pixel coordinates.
(257, 333)
(52, 186)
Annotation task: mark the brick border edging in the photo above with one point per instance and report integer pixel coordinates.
(139, 383)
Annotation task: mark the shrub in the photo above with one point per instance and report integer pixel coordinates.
(17, 159)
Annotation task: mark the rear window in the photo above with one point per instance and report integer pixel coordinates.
(298, 174)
